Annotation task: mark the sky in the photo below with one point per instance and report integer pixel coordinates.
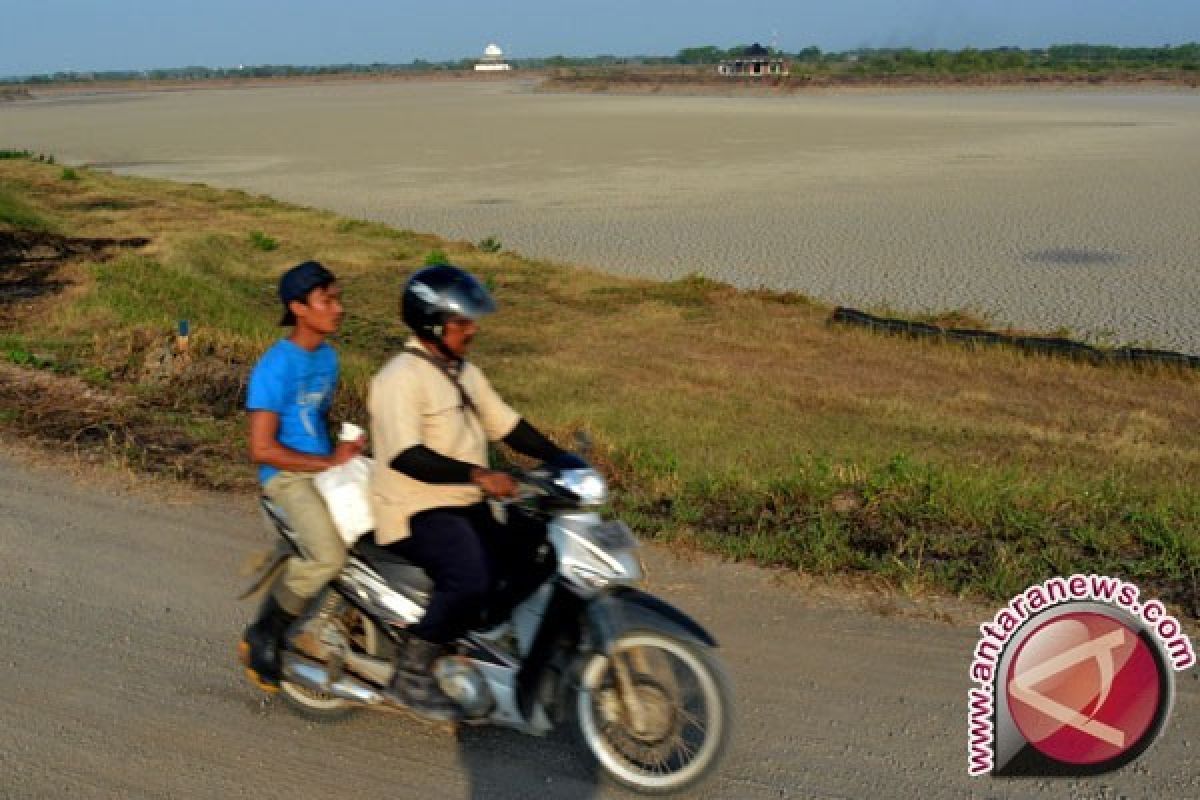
(41, 36)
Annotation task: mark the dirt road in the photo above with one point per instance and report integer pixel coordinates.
(118, 680)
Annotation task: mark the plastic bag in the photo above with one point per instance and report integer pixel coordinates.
(345, 489)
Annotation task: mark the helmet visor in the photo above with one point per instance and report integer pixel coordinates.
(462, 296)
(467, 298)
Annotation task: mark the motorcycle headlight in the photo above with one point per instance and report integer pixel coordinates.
(587, 484)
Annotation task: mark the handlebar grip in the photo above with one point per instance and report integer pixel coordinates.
(544, 485)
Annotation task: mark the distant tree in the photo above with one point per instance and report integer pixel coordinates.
(709, 54)
(1010, 58)
(967, 60)
(809, 55)
(939, 60)
(880, 62)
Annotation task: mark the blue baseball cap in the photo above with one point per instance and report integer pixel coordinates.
(297, 282)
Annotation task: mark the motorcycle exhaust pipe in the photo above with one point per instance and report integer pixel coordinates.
(314, 676)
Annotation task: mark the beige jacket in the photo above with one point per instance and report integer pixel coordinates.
(412, 402)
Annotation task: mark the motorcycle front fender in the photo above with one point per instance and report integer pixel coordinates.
(626, 609)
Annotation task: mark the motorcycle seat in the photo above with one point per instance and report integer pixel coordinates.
(395, 569)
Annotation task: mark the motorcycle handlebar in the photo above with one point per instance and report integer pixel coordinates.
(532, 486)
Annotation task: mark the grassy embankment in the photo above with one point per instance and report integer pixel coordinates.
(738, 422)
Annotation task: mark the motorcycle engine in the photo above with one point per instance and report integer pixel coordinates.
(465, 685)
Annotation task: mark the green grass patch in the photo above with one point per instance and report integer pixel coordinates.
(17, 213)
(14, 350)
(376, 230)
(689, 292)
(137, 291)
(263, 242)
(926, 527)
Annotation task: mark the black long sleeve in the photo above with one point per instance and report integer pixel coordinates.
(427, 466)
(529, 441)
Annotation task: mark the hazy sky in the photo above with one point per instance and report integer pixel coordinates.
(50, 35)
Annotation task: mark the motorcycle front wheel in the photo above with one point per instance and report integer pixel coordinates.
(682, 727)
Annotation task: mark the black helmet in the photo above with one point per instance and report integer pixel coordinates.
(438, 292)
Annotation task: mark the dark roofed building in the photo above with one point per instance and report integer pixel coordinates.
(755, 60)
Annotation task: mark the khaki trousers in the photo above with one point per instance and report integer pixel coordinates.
(322, 547)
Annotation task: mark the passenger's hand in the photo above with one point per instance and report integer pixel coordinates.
(348, 450)
(494, 483)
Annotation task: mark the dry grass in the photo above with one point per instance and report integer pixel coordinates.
(739, 422)
(777, 372)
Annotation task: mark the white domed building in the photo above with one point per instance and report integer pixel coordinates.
(493, 60)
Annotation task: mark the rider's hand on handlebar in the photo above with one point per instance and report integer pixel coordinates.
(494, 483)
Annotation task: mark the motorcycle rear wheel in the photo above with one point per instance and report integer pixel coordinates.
(322, 707)
(687, 713)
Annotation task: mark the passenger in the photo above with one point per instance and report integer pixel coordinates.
(289, 396)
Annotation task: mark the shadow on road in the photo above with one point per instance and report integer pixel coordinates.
(505, 764)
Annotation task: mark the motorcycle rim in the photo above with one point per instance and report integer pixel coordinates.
(685, 700)
(365, 637)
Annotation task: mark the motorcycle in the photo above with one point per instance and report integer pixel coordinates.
(635, 678)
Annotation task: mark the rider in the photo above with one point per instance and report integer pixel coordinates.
(290, 391)
(432, 416)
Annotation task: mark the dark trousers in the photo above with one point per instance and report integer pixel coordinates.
(476, 564)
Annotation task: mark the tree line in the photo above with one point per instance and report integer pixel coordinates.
(1063, 57)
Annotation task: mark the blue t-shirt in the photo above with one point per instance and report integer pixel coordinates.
(297, 385)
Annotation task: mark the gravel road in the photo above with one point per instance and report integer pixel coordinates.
(118, 679)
